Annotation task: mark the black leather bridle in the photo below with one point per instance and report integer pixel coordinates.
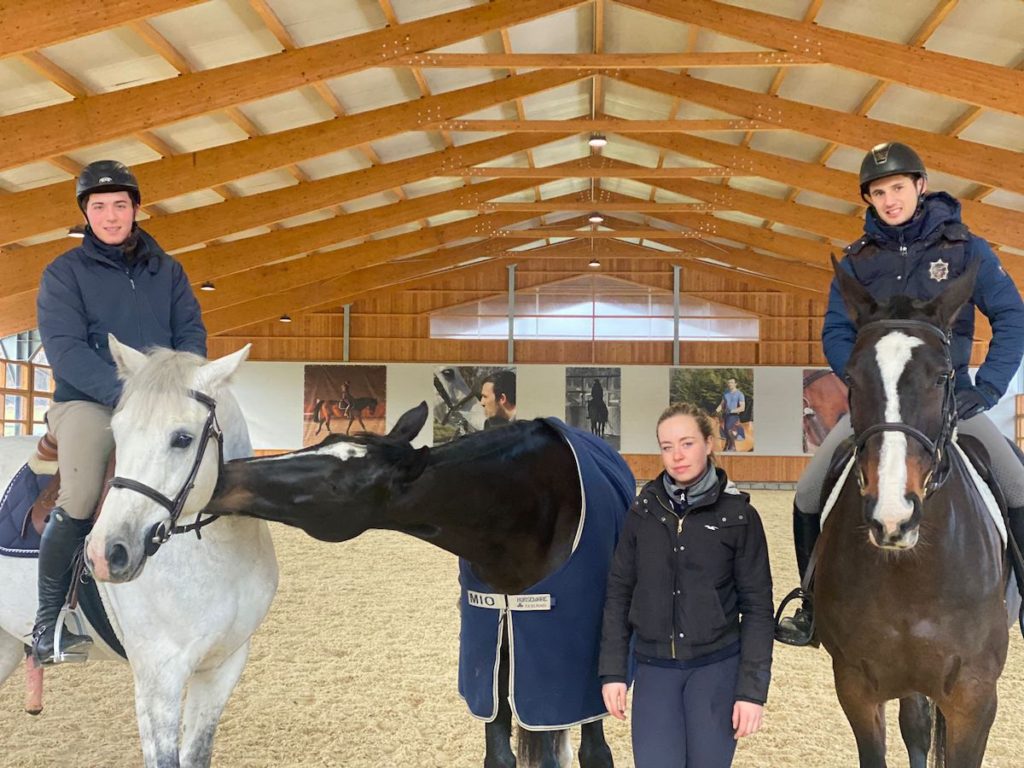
(935, 448)
(162, 531)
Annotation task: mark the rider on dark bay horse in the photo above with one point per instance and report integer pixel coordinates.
(914, 244)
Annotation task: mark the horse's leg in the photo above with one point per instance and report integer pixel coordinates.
(498, 732)
(158, 691)
(544, 749)
(969, 713)
(865, 715)
(594, 750)
(12, 651)
(208, 691)
(916, 728)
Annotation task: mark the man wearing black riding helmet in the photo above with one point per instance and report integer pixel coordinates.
(117, 281)
(914, 244)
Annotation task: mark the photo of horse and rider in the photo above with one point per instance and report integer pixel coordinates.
(343, 399)
(727, 395)
(593, 402)
(472, 398)
(825, 402)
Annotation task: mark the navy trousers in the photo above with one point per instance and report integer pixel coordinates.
(682, 718)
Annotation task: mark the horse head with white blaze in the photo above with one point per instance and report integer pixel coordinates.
(902, 408)
(177, 398)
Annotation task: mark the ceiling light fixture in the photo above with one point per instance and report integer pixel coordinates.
(597, 140)
(595, 218)
(286, 318)
(594, 263)
(77, 231)
(207, 286)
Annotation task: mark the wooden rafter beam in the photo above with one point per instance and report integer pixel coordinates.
(605, 61)
(610, 125)
(636, 206)
(47, 208)
(206, 223)
(599, 234)
(38, 134)
(999, 225)
(970, 160)
(27, 25)
(583, 172)
(970, 81)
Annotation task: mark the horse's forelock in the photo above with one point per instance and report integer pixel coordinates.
(166, 374)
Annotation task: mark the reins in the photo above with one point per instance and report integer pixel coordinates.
(162, 531)
(936, 448)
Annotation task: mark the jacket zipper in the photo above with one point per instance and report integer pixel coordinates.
(135, 298)
(679, 532)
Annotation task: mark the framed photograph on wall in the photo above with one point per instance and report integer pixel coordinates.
(593, 402)
(343, 399)
(471, 398)
(825, 402)
(727, 395)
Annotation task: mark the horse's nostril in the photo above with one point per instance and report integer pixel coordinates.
(117, 556)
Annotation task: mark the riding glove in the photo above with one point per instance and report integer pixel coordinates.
(970, 402)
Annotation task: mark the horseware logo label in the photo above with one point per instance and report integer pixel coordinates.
(511, 602)
(938, 270)
(711, 527)
(881, 155)
(105, 180)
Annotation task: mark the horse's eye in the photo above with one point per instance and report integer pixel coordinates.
(181, 440)
(941, 379)
(848, 382)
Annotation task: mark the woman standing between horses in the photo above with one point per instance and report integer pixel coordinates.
(117, 281)
(692, 583)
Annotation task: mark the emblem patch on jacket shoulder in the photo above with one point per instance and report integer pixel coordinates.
(938, 270)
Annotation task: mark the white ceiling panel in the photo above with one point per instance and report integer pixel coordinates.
(883, 19)
(129, 151)
(31, 176)
(450, 218)
(189, 201)
(563, 187)
(919, 109)
(985, 30)
(292, 109)
(402, 229)
(262, 182)
(370, 201)
(564, 151)
(621, 148)
(759, 186)
(632, 103)
(374, 89)
(815, 200)
(410, 10)
(997, 129)
(110, 61)
(1005, 199)
(826, 86)
(201, 132)
(569, 31)
(790, 9)
(244, 235)
(431, 186)
(22, 88)
(938, 181)
(444, 80)
(627, 30)
(407, 145)
(307, 218)
(309, 22)
(689, 110)
(217, 33)
(562, 103)
(335, 163)
(797, 146)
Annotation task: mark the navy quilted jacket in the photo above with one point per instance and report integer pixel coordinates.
(91, 291)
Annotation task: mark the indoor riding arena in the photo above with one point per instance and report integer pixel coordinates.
(507, 210)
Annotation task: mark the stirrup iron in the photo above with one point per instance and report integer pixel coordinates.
(805, 597)
(59, 656)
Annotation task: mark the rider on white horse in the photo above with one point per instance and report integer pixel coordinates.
(117, 281)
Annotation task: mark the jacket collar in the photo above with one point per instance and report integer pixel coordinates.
(936, 210)
(146, 251)
(703, 493)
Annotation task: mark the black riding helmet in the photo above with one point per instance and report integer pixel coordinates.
(106, 176)
(889, 159)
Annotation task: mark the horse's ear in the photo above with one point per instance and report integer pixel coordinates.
(944, 307)
(127, 359)
(410, 423)
(413, 465)
(859, 303)
(219, 371)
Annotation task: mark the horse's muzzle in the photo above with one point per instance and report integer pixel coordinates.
(893, 534)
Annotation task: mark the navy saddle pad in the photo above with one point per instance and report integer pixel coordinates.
(15, 504)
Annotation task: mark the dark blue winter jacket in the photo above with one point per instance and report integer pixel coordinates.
(91, 291)
(918, 259)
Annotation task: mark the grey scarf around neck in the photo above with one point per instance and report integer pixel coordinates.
(692, 493)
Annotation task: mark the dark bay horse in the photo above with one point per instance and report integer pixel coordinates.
(507, 500)
(597, 412)
(910, 583)
(353, 408)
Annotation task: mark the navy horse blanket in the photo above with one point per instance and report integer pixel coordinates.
(554, 627)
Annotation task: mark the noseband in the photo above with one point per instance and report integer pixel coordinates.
(162, 531)
(934, 448)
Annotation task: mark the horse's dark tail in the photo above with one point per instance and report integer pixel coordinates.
(318, 417)
(938, 739)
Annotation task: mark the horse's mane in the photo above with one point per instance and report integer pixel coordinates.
(167, 373)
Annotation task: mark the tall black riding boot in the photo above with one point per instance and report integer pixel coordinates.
(61, 539)
(799, 628)
(1015, 548)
